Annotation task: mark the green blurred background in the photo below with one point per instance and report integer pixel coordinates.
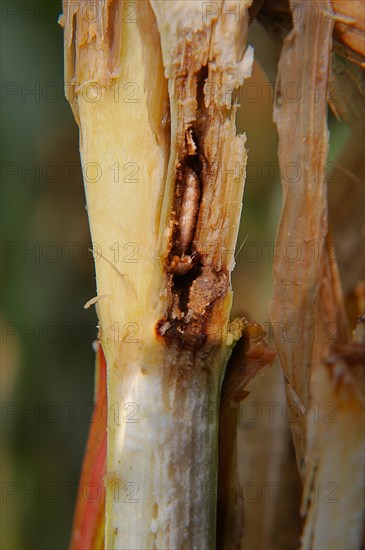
(47, 272)
(47, 368)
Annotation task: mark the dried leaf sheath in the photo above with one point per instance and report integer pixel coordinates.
(308, 299)
(164, 333)
(250, 356)
(333, 499)
(89, 523)
(303, 145)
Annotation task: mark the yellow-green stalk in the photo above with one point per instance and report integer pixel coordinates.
(152, 86)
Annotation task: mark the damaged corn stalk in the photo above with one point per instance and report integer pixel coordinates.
(152, 87)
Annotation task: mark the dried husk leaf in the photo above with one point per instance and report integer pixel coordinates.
(333, 494)
(303, 146)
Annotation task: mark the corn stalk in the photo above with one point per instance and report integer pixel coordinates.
(153, 93)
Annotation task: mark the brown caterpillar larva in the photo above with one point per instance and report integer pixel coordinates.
(189, 210)
(181, 264)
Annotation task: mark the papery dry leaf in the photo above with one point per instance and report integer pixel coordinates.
(303, 146)
(250, 356)
(333, 499)
(347, 17)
